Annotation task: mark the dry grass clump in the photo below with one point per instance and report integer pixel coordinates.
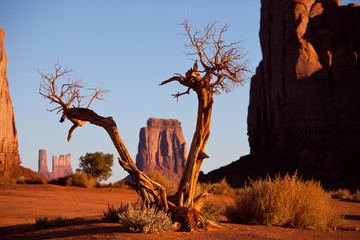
(23, 180)
(221, 188)
(118, 184)
(345, 194)
(286, 201)
(146, 219)
(46, 223)
(211, 209)
(81, 180)
(170, 186)
(4, 180)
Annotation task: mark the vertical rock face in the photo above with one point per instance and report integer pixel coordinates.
(304, 110)
(61, 167)
(43, 168)
(9, 154)
(162, 147)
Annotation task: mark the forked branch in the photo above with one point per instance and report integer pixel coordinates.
(68, 95)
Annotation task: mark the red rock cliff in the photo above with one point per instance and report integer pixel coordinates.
(162, 147)
(304, 110)
(9, 155)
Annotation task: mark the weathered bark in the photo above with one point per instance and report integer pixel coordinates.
(187, 186)
(150, 191)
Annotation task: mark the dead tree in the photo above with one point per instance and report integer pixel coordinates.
(70, 102)
(222, 67)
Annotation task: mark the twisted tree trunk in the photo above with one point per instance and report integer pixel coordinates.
(150, 191)
(187, 186)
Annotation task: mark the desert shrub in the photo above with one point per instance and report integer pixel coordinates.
(356, 195)
(340, 194)
(146, 219)
(221, 188)
(21, 180)
(46, 223)
(170, 186)
(346, 194)
(287, 201)
(36, 181)
(81, 180)
(118, 184)
(211, 209)
(111, 215)
(4, 180)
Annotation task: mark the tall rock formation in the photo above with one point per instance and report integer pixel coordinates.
(61, 167)
(9, 154)
(304, 111)
(162, 148)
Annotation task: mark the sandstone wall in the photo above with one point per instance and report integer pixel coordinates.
(162, 147)
(305, 96)
(9, 155)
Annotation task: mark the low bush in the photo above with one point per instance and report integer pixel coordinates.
(4, 180)
(146, 219)
(170, 186)
(340, 194)
(286, 201)
(345, 194)
(81, 180)
(211, 209)
(46, 223)
(21, 180)
(118, 184)
(111, 215)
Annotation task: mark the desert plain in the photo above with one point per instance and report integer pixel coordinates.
(83, 208)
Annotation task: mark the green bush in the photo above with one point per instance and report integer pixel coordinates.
(146, 219)
(46, 223)
(284, 201)
(170, 186)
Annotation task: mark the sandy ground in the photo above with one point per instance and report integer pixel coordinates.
(21, 204)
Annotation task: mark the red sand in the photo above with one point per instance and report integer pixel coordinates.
(21, 204)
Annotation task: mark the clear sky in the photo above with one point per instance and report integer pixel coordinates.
(127, 47)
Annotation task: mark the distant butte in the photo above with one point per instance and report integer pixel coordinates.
(162, 147)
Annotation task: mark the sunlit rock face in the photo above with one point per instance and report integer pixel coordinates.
(9, 154)
(304, 110)
(61, 167)
(162, 148)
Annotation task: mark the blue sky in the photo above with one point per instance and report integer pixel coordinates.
(127, 47)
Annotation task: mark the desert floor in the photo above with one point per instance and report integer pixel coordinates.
(21, 204)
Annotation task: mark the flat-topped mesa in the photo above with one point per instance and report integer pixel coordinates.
(61, 167)
(162, 147)
(163, 123)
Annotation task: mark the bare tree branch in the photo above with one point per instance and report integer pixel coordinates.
(68, 95)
